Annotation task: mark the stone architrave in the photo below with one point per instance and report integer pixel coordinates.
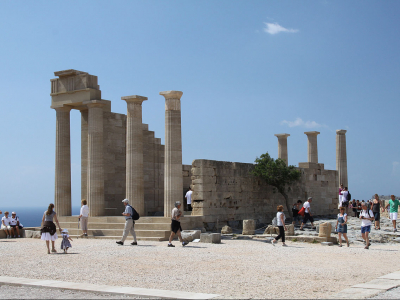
(62, 195)
(341, 157)
(95, 164)
(312, 146)
(134, 153)
(282, 146)
(173, 181)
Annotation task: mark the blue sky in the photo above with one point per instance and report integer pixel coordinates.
(247, 69)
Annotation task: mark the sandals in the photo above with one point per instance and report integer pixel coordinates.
(340, 245)
(348, 244)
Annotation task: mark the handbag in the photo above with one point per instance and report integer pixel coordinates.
(302, 211)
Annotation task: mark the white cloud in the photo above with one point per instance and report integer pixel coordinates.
(301, 123)
(274, 28)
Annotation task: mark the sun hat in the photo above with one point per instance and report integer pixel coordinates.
(13, 213)
(177, 203)
(65, 231)
(125, 201)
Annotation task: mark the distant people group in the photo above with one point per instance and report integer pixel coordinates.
(11, 225)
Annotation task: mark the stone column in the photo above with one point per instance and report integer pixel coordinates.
(282, 146)
(62, 195)
(95, 164)
(134, 153)
(312, 146)
(341, 156)
(173, 181)
(84, 151)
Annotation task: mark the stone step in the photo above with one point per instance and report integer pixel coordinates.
(115, 219)
(119, 226)
(129, 239)
(118, 232)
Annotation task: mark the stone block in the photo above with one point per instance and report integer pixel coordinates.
(290, 230)
(249, 227)
(325, 230)
(212, 238)
(190, 235)
(226, 230)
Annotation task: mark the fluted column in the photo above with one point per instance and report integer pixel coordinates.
(95, 165)
(312, 146)
(173, 181)
(134, 153)
(84, 151)
(341, 156)
(62, 195)
(282, 146)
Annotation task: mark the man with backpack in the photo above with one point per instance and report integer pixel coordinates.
(346, 199)
(130, 215)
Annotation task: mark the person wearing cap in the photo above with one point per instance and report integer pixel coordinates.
(65, 244)
(14, 224)
(5, 224)
(366, 217)
(129, 224)
(176, 225)
(307, 214)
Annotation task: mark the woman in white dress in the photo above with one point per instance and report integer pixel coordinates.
(49, 230)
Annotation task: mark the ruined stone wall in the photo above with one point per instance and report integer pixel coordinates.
(115, 167)
(226, 192)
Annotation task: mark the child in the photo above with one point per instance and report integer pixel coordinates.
(280, 219)
(65, 244)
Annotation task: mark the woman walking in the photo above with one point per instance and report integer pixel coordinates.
(376, 206)
(280, 220)
(83, 217)
(341, 226)
(49, 230)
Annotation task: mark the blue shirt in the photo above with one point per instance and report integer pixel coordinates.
(128, 210)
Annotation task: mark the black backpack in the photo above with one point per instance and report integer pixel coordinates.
(135, 215)
(348, 198)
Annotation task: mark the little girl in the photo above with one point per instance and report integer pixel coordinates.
(65, 244)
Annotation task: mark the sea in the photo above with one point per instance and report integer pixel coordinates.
(32, 216)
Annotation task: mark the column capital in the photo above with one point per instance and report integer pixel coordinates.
(65, 108)
(341, 131)
(312, 132)
(95, 103)
(134, 99)
(282, 135)
(172, 94)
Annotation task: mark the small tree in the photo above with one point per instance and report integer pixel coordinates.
(277, 174)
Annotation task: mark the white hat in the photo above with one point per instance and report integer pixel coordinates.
(125, 201)
(65, 231)
(13, 213)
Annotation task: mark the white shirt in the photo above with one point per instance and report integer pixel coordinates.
(344, 196)
(278, 218)
(364, 214)
(85, 211)
(189, 197)
(6, 221)
(13, 221)
(307, 207)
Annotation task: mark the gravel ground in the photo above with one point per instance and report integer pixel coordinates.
(233, 269)
(26, 292)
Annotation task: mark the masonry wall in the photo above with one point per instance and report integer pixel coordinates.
(226, 192)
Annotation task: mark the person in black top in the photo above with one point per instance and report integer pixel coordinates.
(295, 209)
(376, 209)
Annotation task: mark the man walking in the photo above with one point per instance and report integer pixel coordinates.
(394, 207)
(129, 224)
(176, 225)
(307, 214)
(189, 199)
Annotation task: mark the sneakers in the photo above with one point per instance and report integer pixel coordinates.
(301, 229)
(284, 245)
(272, 242)
(134, 243)
(170, 245)
(185, 243)
(395, 230)
(120, 243)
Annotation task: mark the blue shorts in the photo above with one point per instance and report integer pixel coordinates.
(366, 229)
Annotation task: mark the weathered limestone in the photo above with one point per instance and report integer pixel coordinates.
(84, 151)
(282, 146)
(95, 165)
(62, 195)
(325, 230)
(341, 156)
(290, 230)
(213, 238)
(134, 153)
(312, 146)
(173, 181)
(249, 227)
(190, 235)
(226, 230)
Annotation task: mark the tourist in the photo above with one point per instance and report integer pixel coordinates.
(49, 230)
(376, 209)
(358, 208)
(65, 244)
(129, 224)
(280, 222)
(354, 207)
(5, 224)
(394, 207)
(83, 217)
(341, 188)
(176, 225)
(345, 201)
(295, 209)
(14, 224)
(366, 217)
(188, 197)
(307, 214)
(341, 226)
